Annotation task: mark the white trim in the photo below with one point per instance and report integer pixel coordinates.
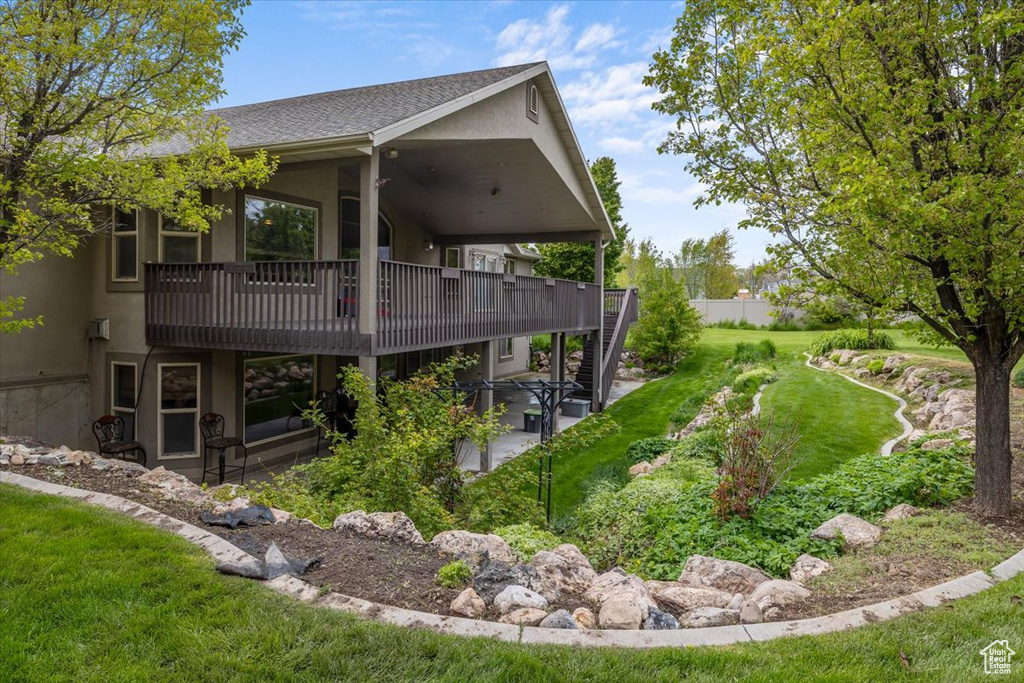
(174, 234)
(511, 341)
(316, 384)
(245, 229)
(115, 236)
(161, 411)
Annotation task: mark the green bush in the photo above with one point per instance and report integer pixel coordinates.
(456, 574)
(850, 339)
(527, 540)
(653, 524)
(648, 449)
(875, 366)
(704, 444)
(748, 353)
(749, 381)
(1018, 379)
(668, 327)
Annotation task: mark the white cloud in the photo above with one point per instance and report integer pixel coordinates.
(596, 37)
(621, 145)
(614, 94)
(550, 39)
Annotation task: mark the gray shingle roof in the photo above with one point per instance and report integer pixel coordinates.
(341, 113)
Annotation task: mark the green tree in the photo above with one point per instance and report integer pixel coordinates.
(668, 327)
(86, 87)
(575, 260)
(705, 266)
(882, 141)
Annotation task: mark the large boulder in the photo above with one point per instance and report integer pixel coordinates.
(564, 570)
(725, 575)
(392, 526)
(807, 567)
(515, 597)
(901, 511)
(856, 532)
(559, 619)
(469, 604)
(619, 586)
(471, 547)
(491, 578)
(623, 613)
(680, 597)
(660, 621)
(778, 594)
(524, 616)
(703, 617)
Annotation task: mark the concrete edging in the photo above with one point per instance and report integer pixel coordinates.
(223, 551)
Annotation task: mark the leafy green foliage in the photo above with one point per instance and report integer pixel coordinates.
(456, 574)
(85, 90)
(850, 339)
(1018, 379)
(875, 366)
(668, 326)
(652, 525)
(705, 266)
(648, 449)
(705, 444)
(830, 311)
(747, 352)
(575, 260)
(749, 381)
(526, 540)
(405, 455)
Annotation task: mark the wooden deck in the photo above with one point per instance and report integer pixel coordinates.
(313, 307)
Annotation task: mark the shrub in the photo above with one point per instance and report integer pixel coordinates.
(527, 540)
(850, 339)
(755, 459)
(648, 449)
(1018, 379)
(668, 326)
(748, 353)
(456, 574)
(704, 444)
(875, 366)
(830, 311)
(749, 381)
(653, 524)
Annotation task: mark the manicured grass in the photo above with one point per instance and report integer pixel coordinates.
(86, 595)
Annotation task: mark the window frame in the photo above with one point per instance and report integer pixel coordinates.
(245, 228)
(381, 216)
(114, 408)
(509, 261)
(315, 388)
(511, 342)
(161, 411)
(175, 234)
(458, 257)
(115, 237)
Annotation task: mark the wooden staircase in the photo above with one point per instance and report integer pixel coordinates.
(620, 311)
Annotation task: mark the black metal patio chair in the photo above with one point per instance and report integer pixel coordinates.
(109, 433)
(211, 425)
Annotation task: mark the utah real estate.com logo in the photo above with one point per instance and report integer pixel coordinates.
(997, 657)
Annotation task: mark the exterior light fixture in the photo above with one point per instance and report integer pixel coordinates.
(390, 153)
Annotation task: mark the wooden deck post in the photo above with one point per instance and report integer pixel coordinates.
(595, 401)
(369, 171)
(485, 399)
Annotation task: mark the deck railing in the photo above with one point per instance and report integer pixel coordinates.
(313, 306)
(626, 305)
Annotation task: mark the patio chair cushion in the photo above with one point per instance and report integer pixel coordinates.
(119, 446)
(223, 442)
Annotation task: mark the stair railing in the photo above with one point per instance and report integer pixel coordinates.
(627, 311)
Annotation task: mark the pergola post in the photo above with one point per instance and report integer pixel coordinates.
(595, 401)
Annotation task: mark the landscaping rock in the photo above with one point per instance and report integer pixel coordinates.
(564, 569)
(559, 619)
(725, 575)
(584, 618)
(779, 593)
(750, 613)
(807, 567)
(393, 526)
(171, 484)
(703, 617)
(130, 469)
(861, 373)
(469, 604)
(622, 613)
(21, 451)
(901, 511)
(50, 460)
(936, 444)
(856, 532)
(846, 356)
(661, 460)
(525, 616)
(623, 587)
(892, 361)
(470, 547)
(736, 601)
(642, 467)
(79, 458)
(515, 597)
(660, 621)
(683, 597)
(102, 465)
(493, 577)
(17, 459)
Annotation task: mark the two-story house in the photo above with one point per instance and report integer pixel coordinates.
(386, 239)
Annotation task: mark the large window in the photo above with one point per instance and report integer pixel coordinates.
(125, 246)
(451, 257)
(123, 392)
(177, 244)
(178, 407)
(276, 390)
(349, 211)
(279, 231)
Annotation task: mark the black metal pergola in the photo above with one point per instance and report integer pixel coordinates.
(550, 395)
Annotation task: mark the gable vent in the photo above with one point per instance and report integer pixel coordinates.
(532, 103)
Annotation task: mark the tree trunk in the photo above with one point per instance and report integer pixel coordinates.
(992, 492)
(870, 330)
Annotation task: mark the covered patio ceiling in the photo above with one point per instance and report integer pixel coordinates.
(488, 190)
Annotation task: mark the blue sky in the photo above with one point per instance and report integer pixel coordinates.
(598, 52)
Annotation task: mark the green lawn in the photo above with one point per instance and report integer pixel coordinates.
(88, 595)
